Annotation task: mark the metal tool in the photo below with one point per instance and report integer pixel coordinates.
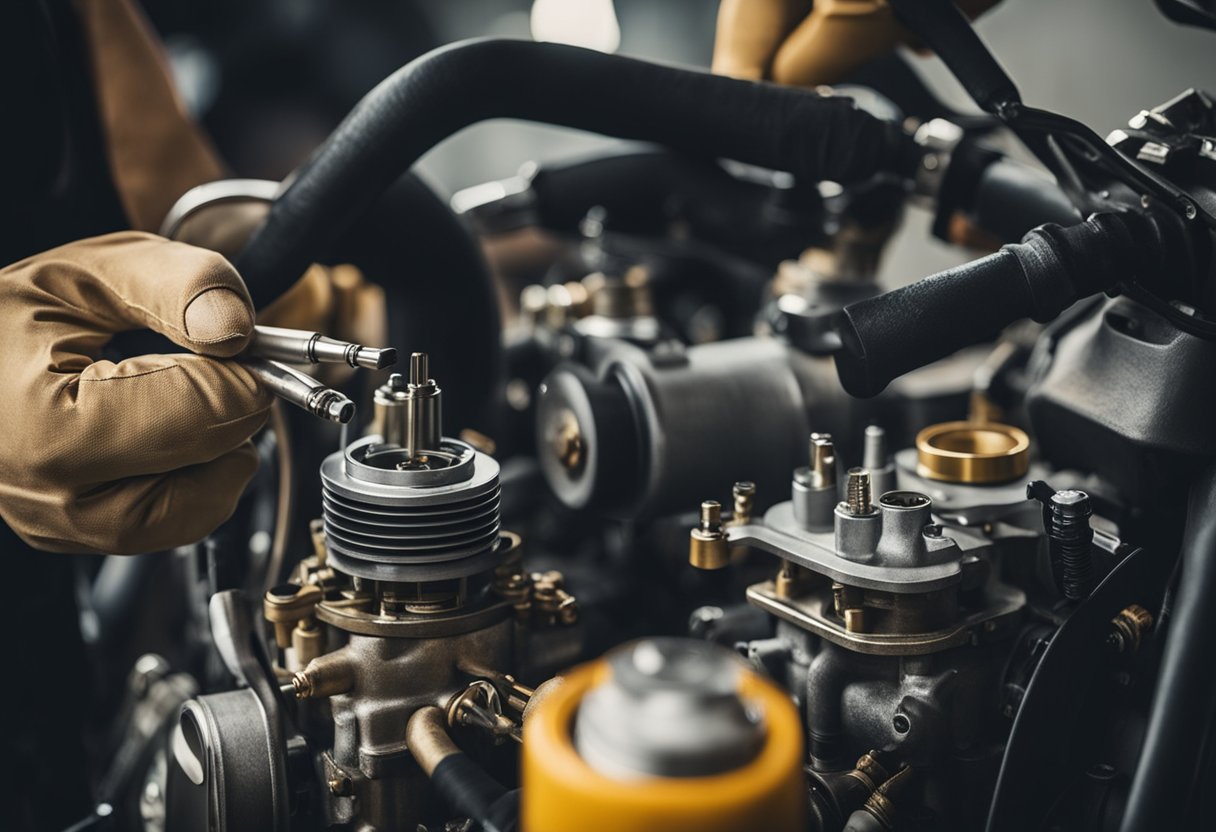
(302, 390)
(299, 346)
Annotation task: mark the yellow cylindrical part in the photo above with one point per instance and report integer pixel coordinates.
(561, 792)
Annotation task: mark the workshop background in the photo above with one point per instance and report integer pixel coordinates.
(271, 78)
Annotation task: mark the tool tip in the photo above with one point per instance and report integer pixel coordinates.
(374, 359)
(341, 410)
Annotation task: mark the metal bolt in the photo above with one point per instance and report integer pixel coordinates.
(1070, 531)
(823, 461)
(858, 492)
(743, 493)
(419, 371)
(875, 454)
(711, 516)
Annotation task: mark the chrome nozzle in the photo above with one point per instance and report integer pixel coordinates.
(299, 346)
(302, 390)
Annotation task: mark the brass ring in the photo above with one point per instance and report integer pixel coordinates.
(972, 452)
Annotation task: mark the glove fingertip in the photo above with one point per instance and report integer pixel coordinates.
(219, 322)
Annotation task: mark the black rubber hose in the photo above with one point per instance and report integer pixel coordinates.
(1003, 197)
(468, 790)
(1012, 198)
(429, 99)
(1181, 720)
(886, 336)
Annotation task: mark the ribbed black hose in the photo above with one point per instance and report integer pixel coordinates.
(452, 87)
(469, 791)
(1183, 705)
(886, 336)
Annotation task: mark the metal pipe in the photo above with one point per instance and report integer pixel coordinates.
(299, 346)
(426, 736)
(301, 389)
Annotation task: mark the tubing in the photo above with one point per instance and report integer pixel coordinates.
(1181, 720)
(886, 336)
(1012, 198)
(464, 786)
(455, 86)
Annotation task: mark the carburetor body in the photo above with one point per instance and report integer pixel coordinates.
(896, 628)
(413, 597)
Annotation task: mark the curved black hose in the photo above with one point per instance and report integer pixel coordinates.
(886, 336)
(1003, 197)
(470, 791)
(1185, 699)
(452, 87)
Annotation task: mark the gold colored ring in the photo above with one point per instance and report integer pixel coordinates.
(972, 452)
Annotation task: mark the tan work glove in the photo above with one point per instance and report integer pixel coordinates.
(143, 455)
(807, 44)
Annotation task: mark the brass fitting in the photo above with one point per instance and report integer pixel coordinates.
(316, 531)
(790, 580)
(1130, 625)
(744, 494)
(707, 547)
(881, 804)
(286, 605)
(480, 706)
(513, 584)
(823, 461)
(857, 496)
(550, 599)
(307, 640)
(972, 452)
(324, 676)
(848, 602)
(869, 771)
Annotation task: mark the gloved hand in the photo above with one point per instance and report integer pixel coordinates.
(142, 455)
(336, 300)
(806, 44)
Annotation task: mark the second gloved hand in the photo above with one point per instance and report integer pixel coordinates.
(135, 456)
